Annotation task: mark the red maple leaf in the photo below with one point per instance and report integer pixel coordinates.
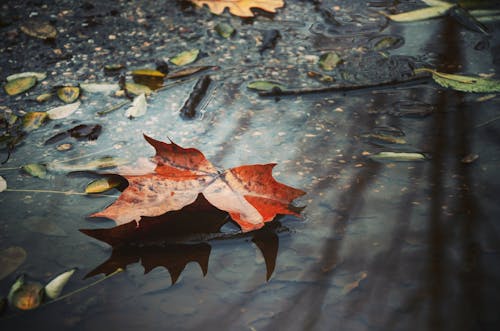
(248, 193)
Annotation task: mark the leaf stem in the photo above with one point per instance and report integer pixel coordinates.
(81, 289)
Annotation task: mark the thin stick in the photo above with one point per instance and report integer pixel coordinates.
(12, 168)
(343, 88)
(61, 192)
(117, 271)
(487, 122)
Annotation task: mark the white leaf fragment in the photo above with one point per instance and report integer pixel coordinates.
(3, 184)
(138, 108)
(63, 111)
(99, 87)
(54, 288)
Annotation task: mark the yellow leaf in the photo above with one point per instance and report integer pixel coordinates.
(240, 7)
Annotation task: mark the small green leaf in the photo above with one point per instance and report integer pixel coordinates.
(329, 61)
(35, 170)
(463, 83)
(19, 85)
(102, 185)
(265, 85)
(185, 57)
(224, 30)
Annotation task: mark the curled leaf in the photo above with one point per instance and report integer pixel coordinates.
(25, 295)
(185, 57)
(39, 29)
(63, 111)
(19, 85)
(463, 83)
(54, 288)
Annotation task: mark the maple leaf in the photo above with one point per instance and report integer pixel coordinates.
(240, 7)
(248, 193)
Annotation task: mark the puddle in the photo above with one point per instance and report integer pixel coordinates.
(380, 245)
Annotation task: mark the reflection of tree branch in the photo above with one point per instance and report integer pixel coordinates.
(176, 238)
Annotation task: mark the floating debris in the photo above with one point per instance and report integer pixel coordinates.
(35, 170)
(99, 87)
(3, 186)
(265, 85)
(463, 83)
(63, 111)
(469, 158)
(82, 131)
(138, 89)
(38, 75)
(102, 185)
(43, 97)
(189, 71)
(185, 57)
(149, 77)
(64, 147)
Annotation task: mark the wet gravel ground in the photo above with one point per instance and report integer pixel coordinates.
(382, 245)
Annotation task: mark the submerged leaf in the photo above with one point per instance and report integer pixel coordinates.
(63, 111)
(185, 57)
(102, 163)
(34, 120)
(329, 61)
(138, 108)
(224, 30)
(10, 259)
(39, 29)
(68, 94)
(463, 83)
(3, 184)
(265, 85)
(54, 288)
(44, 226)
(35, 170)
(398, 156)
(19, 85)
(240, 7)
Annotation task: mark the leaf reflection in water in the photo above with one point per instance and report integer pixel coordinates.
(176, 238)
